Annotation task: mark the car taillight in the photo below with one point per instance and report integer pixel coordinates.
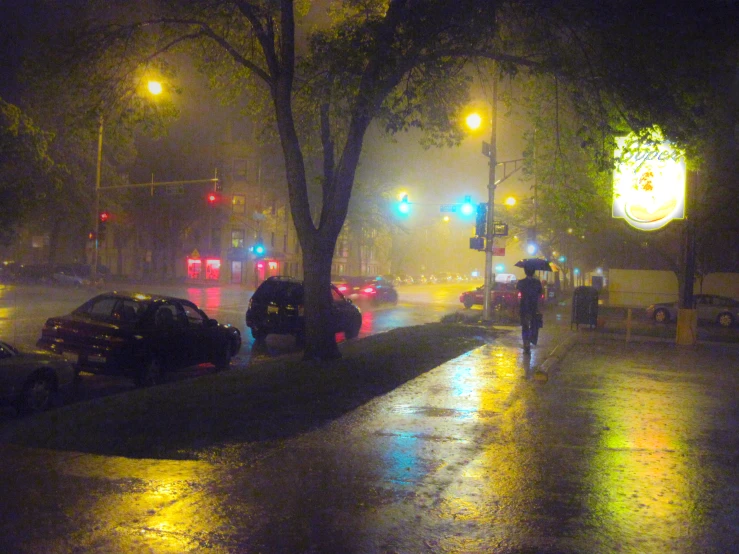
(369, 290)
(342, 288)
(519, 295)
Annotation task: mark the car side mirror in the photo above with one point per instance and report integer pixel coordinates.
(211, 323)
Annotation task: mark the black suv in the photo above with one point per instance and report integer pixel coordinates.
(277, 307)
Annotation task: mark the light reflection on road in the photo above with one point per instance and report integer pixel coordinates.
(640, 473)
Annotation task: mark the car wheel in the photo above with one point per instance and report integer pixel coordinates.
(258, 334)
(725, 319)
(151, 373)
(223, 360)
(661, 316)
(37, 393)
(468, 304)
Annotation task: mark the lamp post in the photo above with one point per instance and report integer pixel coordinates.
(155, 88)
(96, 202)
(490, 234)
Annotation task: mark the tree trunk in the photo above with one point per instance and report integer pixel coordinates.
(320, 340)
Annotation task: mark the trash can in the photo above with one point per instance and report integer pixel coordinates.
(584, 307)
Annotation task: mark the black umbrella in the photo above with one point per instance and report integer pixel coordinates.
(538, 264)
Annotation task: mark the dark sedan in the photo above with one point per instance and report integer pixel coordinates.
(368, 290)
(139, 335)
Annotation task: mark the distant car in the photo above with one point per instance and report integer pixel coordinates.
(139, 335)
(74, 275)
(709, 307)
(32, 274)
(276, 307)
(29, 380)
(404, 279)
(420, 279)
(370, 290)
(503, 296)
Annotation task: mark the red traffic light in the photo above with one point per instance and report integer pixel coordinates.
(104, 216)
(212, 198)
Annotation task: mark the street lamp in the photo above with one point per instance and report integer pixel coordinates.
(155, 88)
(473, 122)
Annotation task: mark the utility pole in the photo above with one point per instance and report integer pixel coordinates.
(490, 235)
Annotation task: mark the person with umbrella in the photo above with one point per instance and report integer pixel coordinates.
(530, 290)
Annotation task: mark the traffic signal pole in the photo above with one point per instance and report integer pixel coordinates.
(490, 235)
(96, 202)
(99, 189)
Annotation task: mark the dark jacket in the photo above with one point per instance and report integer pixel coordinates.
(531, 291)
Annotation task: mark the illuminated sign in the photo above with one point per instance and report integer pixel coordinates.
(648, 183)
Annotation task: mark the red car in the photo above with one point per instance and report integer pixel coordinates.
(503, 296)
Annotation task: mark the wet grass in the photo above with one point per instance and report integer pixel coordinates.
(265, 401)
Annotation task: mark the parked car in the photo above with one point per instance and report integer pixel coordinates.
(29, 380)
(139, 335)
(503, 296)
(709, 307)
(276, 307)
(370, 290)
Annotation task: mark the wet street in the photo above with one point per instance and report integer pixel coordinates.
(624, 448)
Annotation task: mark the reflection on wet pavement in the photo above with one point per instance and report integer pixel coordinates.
(622, 450)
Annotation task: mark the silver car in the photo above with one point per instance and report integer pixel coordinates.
(710, 307)
(30, 380)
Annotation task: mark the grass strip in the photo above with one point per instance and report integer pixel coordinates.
(264, 401)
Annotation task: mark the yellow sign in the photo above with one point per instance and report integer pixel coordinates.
(195, 255)
(648, 183)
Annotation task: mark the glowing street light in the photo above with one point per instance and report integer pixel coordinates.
(155, 87)
(473, 121)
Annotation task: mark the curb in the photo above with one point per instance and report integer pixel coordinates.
(555, 356)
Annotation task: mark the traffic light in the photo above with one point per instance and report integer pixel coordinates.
(467, 207)
(404, 207)
(212, 198)
(104, 217)
(481, 223)
(477, 243)
(258, 247)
